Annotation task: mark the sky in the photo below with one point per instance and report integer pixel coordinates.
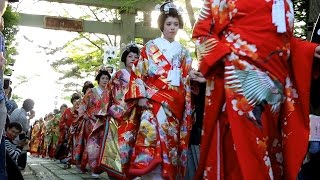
(32, 61)
(35, 65)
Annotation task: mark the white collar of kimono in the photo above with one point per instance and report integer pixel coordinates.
(279, 14)
(99, 90)
(126, 74)
(168, 49)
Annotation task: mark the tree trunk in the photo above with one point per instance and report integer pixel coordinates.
(190, 12)
(314, 10)
(147, 22)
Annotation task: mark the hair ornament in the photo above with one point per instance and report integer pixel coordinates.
(128, 46)
(100, 69)
(165, 7)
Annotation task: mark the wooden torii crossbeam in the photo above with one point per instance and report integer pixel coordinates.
(78, 25)
(127, 28)
(144, 5)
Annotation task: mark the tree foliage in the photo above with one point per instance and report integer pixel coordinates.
(11, 20)
(301, 10)
(85, 52)
(128, 5)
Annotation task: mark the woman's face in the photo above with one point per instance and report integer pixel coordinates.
(50, 116)
(170, 28)
(62, 109)
(130, 59)
(104, 79)
(76, 103)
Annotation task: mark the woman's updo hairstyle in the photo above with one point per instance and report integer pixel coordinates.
(87, 85)
(131, 47)
(100, 73)
(75, 96)
(168, 9)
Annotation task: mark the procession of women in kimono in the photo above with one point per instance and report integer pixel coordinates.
(253, 75)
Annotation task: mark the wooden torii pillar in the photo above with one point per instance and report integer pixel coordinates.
(314, 10)
(126, 28)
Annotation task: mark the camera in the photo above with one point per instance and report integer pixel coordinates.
(23, 136)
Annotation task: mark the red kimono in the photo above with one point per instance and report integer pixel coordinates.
(88, 111)
(119, 114)
(162, 137)
(66, 120)
(35, 138)
(256, 123)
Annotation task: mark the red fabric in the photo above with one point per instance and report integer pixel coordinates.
(63, 125)
(237, 35)
(296, 146)
(157, 82)
(162, 138)
(87, 111)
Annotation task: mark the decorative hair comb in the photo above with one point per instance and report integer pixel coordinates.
(99, 70)
(165, 7)
(128, 46)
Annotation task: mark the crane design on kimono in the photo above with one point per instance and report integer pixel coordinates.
(258, 88)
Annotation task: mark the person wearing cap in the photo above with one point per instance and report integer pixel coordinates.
(118, 112)
(88, 114)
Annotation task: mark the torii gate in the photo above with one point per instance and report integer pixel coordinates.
(314, 10)
(126, 27)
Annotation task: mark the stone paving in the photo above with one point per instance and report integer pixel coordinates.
(39, 168)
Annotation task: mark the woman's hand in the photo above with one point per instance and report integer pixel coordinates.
(317, 52)
(197, 76)
(143, 102)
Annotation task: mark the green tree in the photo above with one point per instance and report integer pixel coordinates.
(11, 20)
(17, 98)
(85, 52)
(301, 11)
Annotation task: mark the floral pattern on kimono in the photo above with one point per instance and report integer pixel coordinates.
(119, 112)
(41, 137)
(63, 125)
(54, 135)
(253, 116)
(66, 120)
(46, 138)
(35, 138)
(87, 111)
(163, 134)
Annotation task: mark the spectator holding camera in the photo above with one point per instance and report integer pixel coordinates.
(14, 149)
(23, 116)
